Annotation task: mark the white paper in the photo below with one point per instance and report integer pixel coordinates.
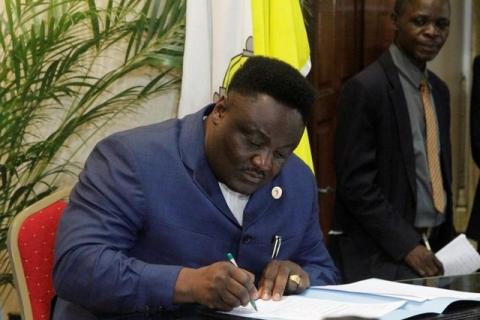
(401, 290)
(302, 308)
(459, 257)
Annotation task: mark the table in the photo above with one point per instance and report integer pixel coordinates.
(470, 283)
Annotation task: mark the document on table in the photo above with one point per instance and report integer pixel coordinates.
(459, 257)
(303, 308)
(400, 290)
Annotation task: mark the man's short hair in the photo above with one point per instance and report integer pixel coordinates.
(400, 6)
(277, 79)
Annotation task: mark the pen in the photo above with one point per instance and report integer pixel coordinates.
(232, 260)
(277, 242)
(425, 241)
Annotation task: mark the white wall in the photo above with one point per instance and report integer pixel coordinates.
(453, 65)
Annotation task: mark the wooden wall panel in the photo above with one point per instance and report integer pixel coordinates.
(344, 36)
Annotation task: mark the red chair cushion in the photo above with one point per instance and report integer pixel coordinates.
(36, 240)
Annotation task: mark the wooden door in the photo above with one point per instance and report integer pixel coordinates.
(345, 36)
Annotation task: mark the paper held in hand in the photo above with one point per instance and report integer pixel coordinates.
(459, 257)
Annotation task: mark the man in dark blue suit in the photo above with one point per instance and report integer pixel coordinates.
(473, 230)
(393, 167)
(157, 208)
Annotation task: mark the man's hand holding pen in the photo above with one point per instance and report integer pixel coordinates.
(424, 262)
(221, 286)
(224, 285)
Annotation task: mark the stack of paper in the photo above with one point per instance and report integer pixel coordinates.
(303, 308)
(371, 298)
(401, 290)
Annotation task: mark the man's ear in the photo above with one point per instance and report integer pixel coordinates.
(219, 109)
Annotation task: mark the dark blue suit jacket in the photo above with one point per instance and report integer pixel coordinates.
(375, 170)
(147, 203)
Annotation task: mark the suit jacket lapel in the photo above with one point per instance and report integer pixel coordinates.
(192, 152)
(258, 204)
(402, 117)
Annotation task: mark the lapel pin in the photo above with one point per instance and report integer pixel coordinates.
(277, 192)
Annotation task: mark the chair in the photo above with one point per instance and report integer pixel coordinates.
(30, 242)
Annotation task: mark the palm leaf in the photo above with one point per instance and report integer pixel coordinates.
(49, 52)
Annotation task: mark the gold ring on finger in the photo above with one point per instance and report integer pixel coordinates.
(295, 278)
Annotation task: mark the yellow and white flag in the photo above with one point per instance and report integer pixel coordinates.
(219, 38)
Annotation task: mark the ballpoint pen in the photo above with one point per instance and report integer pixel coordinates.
(425, 242)
(232, 260)
(277, 242)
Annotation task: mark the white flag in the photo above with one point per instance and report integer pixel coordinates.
(216, 31)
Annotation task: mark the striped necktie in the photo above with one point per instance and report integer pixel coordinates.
(432, 148)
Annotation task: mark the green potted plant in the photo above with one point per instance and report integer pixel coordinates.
(53, 92)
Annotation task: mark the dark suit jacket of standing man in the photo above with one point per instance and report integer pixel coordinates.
(473, 230)
(375, 167)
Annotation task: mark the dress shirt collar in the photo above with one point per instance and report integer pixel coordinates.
(406, 67)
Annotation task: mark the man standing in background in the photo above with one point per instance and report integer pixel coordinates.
(393, 159)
